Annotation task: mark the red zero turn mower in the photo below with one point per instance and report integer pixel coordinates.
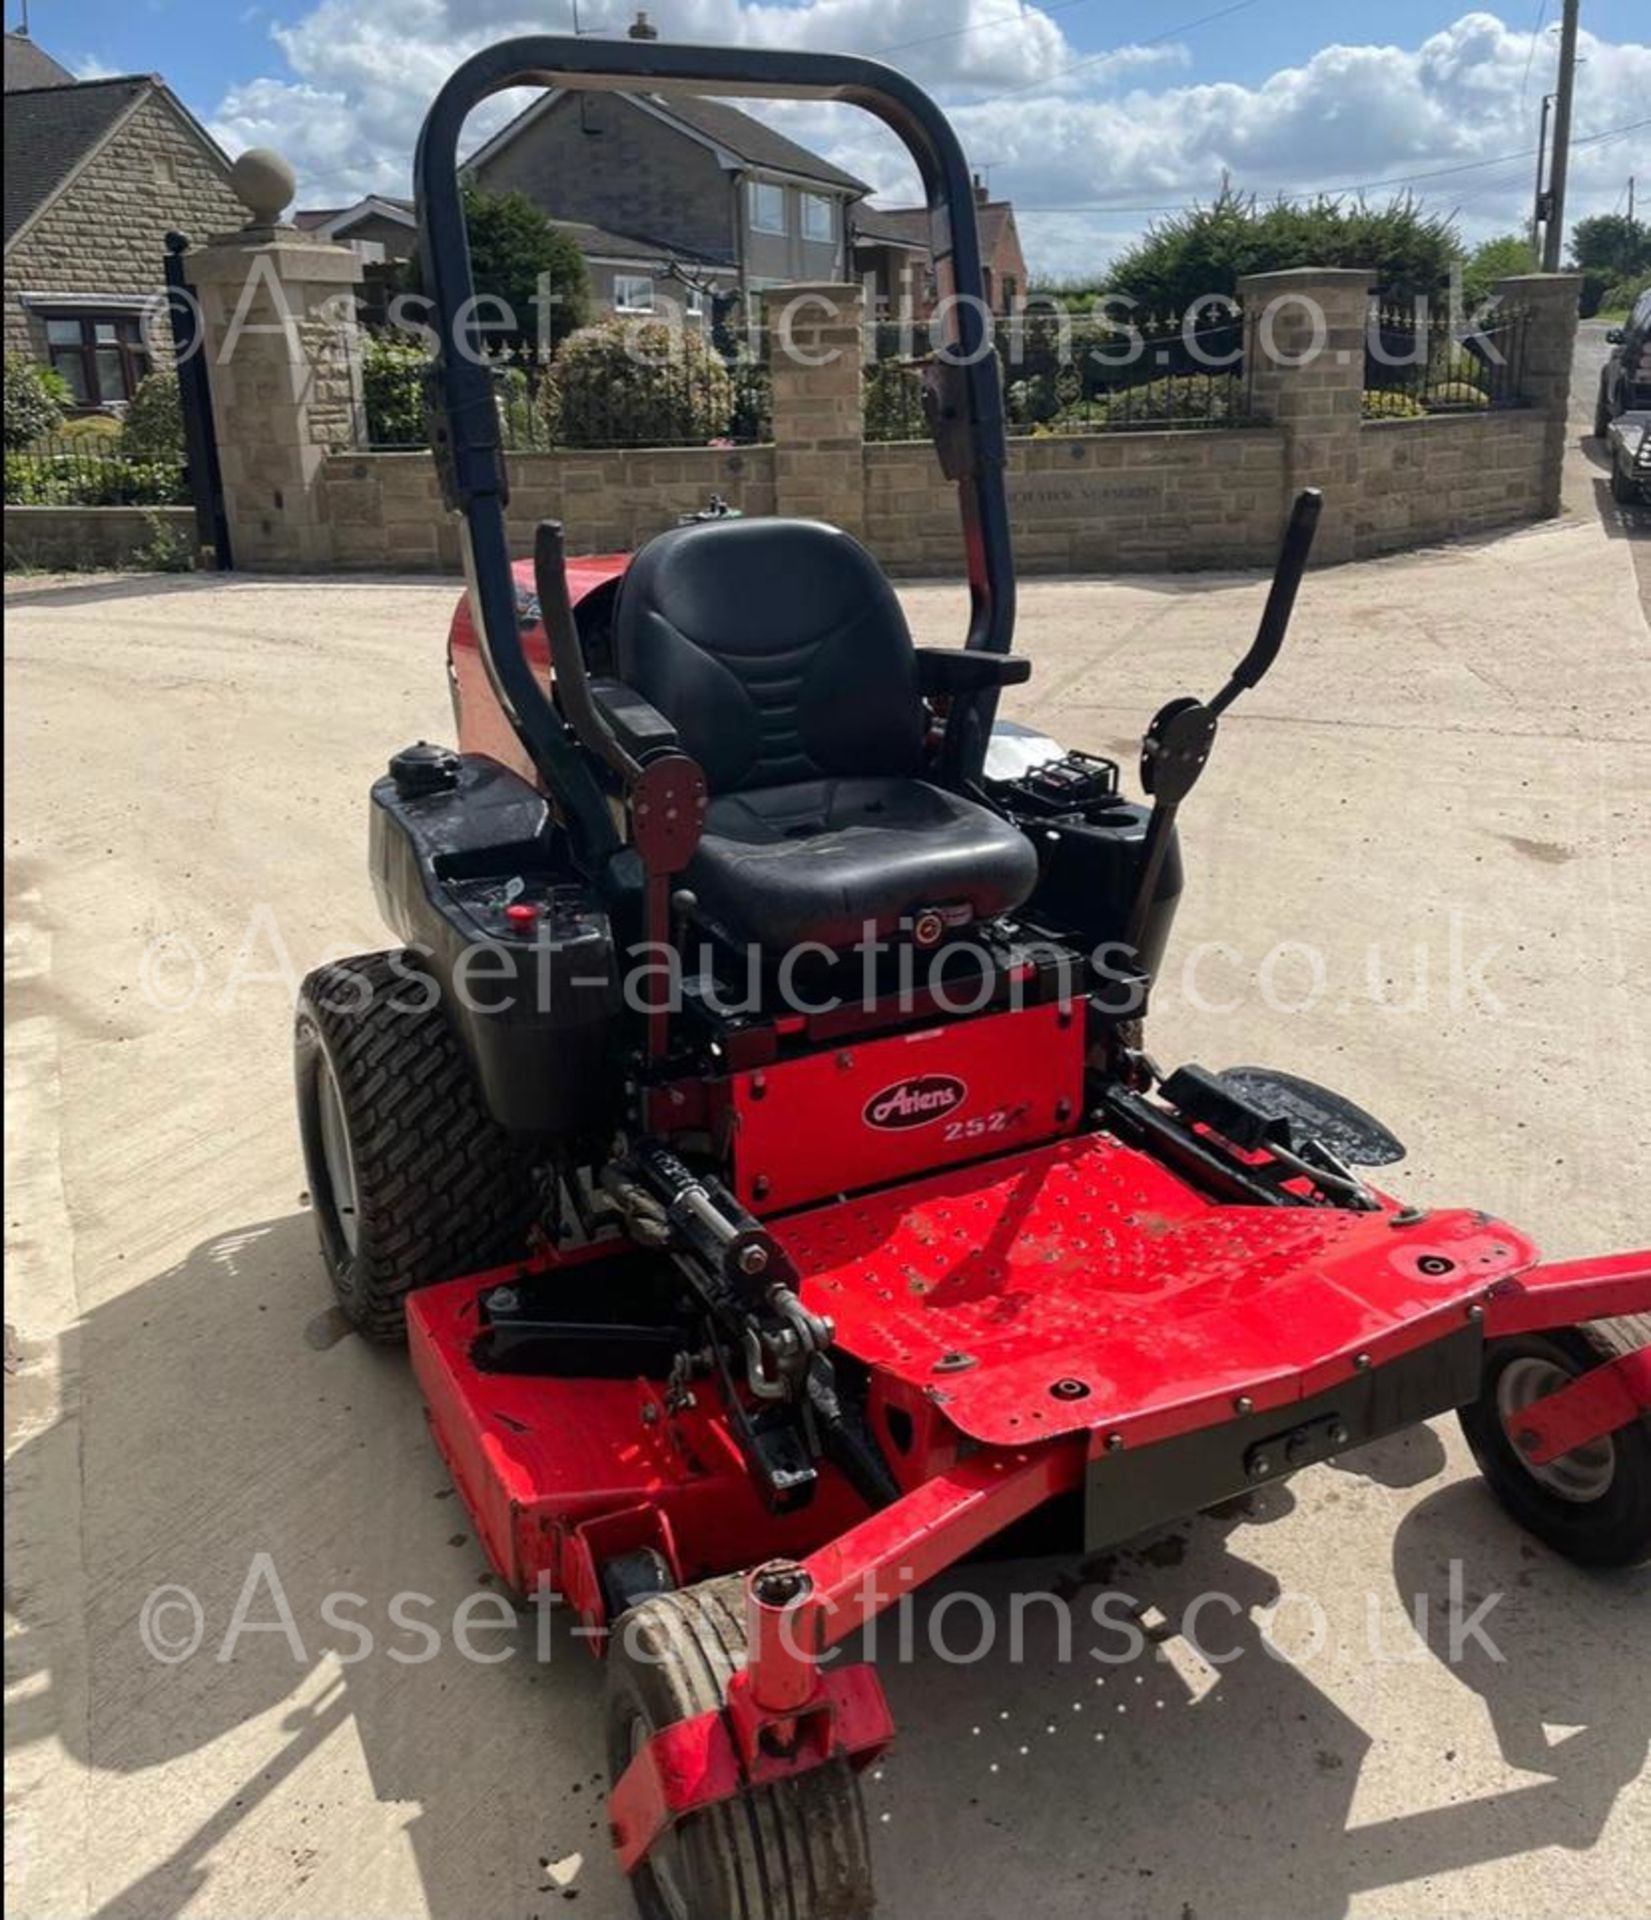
(743, 1307)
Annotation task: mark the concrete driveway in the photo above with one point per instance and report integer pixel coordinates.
(1418, 870)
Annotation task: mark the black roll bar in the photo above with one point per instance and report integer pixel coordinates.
(465, 424)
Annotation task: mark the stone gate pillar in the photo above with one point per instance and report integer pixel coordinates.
(1304, 338)
(1551, 303)
(283, 356)
(814, 354)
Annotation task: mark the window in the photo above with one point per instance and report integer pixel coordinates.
(768, 207)
(819, 217)
(633, 293)
(101, 356)
(694, 303)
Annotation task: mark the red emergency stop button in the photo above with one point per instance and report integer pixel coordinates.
(522, 915)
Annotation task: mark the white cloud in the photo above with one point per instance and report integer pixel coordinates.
(1085, 153)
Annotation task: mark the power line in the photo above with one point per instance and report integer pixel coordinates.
(1095, 59)
(1530, 55)
(1363, 186)
(975, 26)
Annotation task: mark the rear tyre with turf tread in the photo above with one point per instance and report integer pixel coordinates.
(1607, 1528)
(427, 1186)
(797, 1850)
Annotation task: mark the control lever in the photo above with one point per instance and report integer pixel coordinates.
(1178, 742)
(567, 657)
(1281, 600)
(666, 798)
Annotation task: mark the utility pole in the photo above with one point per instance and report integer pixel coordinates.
(1553, 238)
(1539, 205)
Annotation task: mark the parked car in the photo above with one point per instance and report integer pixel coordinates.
(1625, 379)
(1629, 441)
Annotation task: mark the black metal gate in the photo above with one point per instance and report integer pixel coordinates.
(200, 441)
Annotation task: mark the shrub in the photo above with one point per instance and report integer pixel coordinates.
(392, 390)
(96, 430)
(753, 414)
(168, 549)
(1043, 397)
(1621, 297)
(153, 427)
(520, 421)
(1597, 283)
(1456, 396)
(1198, 399)
(1494, 260)
(35, 398)
(68, 479)
(1207, 250)
(1390, 403)
(1462, 368)
(640, 384)
(517, 258)
(893, 401)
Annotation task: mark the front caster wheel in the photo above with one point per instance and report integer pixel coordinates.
(1592, 1505)
(797, 1850)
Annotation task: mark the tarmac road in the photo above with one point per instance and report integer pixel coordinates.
(1443, 789)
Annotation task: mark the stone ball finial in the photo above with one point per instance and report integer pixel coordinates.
(264, 184)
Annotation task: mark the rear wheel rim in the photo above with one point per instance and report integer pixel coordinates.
(1582, 1476)
(335, 1156)
(665, 1855)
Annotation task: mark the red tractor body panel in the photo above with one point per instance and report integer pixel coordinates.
(482, 726)
(880, 1110)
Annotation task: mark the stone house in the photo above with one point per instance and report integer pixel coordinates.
(97, 172)
(691, 179)
(629, 276)
(379, 227)
(891, 252)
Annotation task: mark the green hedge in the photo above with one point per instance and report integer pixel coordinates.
(68, 478)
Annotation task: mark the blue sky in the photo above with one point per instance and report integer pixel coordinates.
(203, 48)
(1287, 97)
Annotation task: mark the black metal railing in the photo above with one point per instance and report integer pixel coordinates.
(645, 385)
(89, 469)
(1080, 374)
(1418, 362)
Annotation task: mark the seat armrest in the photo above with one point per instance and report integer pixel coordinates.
(641, 730)
(947, 671)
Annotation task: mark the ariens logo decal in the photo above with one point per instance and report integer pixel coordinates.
(914, 1102)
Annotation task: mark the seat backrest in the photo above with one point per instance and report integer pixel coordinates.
(776, 648)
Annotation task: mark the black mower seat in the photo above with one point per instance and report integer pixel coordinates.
(822, 859)
(779, 652)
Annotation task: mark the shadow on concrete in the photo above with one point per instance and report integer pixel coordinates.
(1000, 1799)
(191, 1465)
(24, 591)
(55, 590)
(1630, 522)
